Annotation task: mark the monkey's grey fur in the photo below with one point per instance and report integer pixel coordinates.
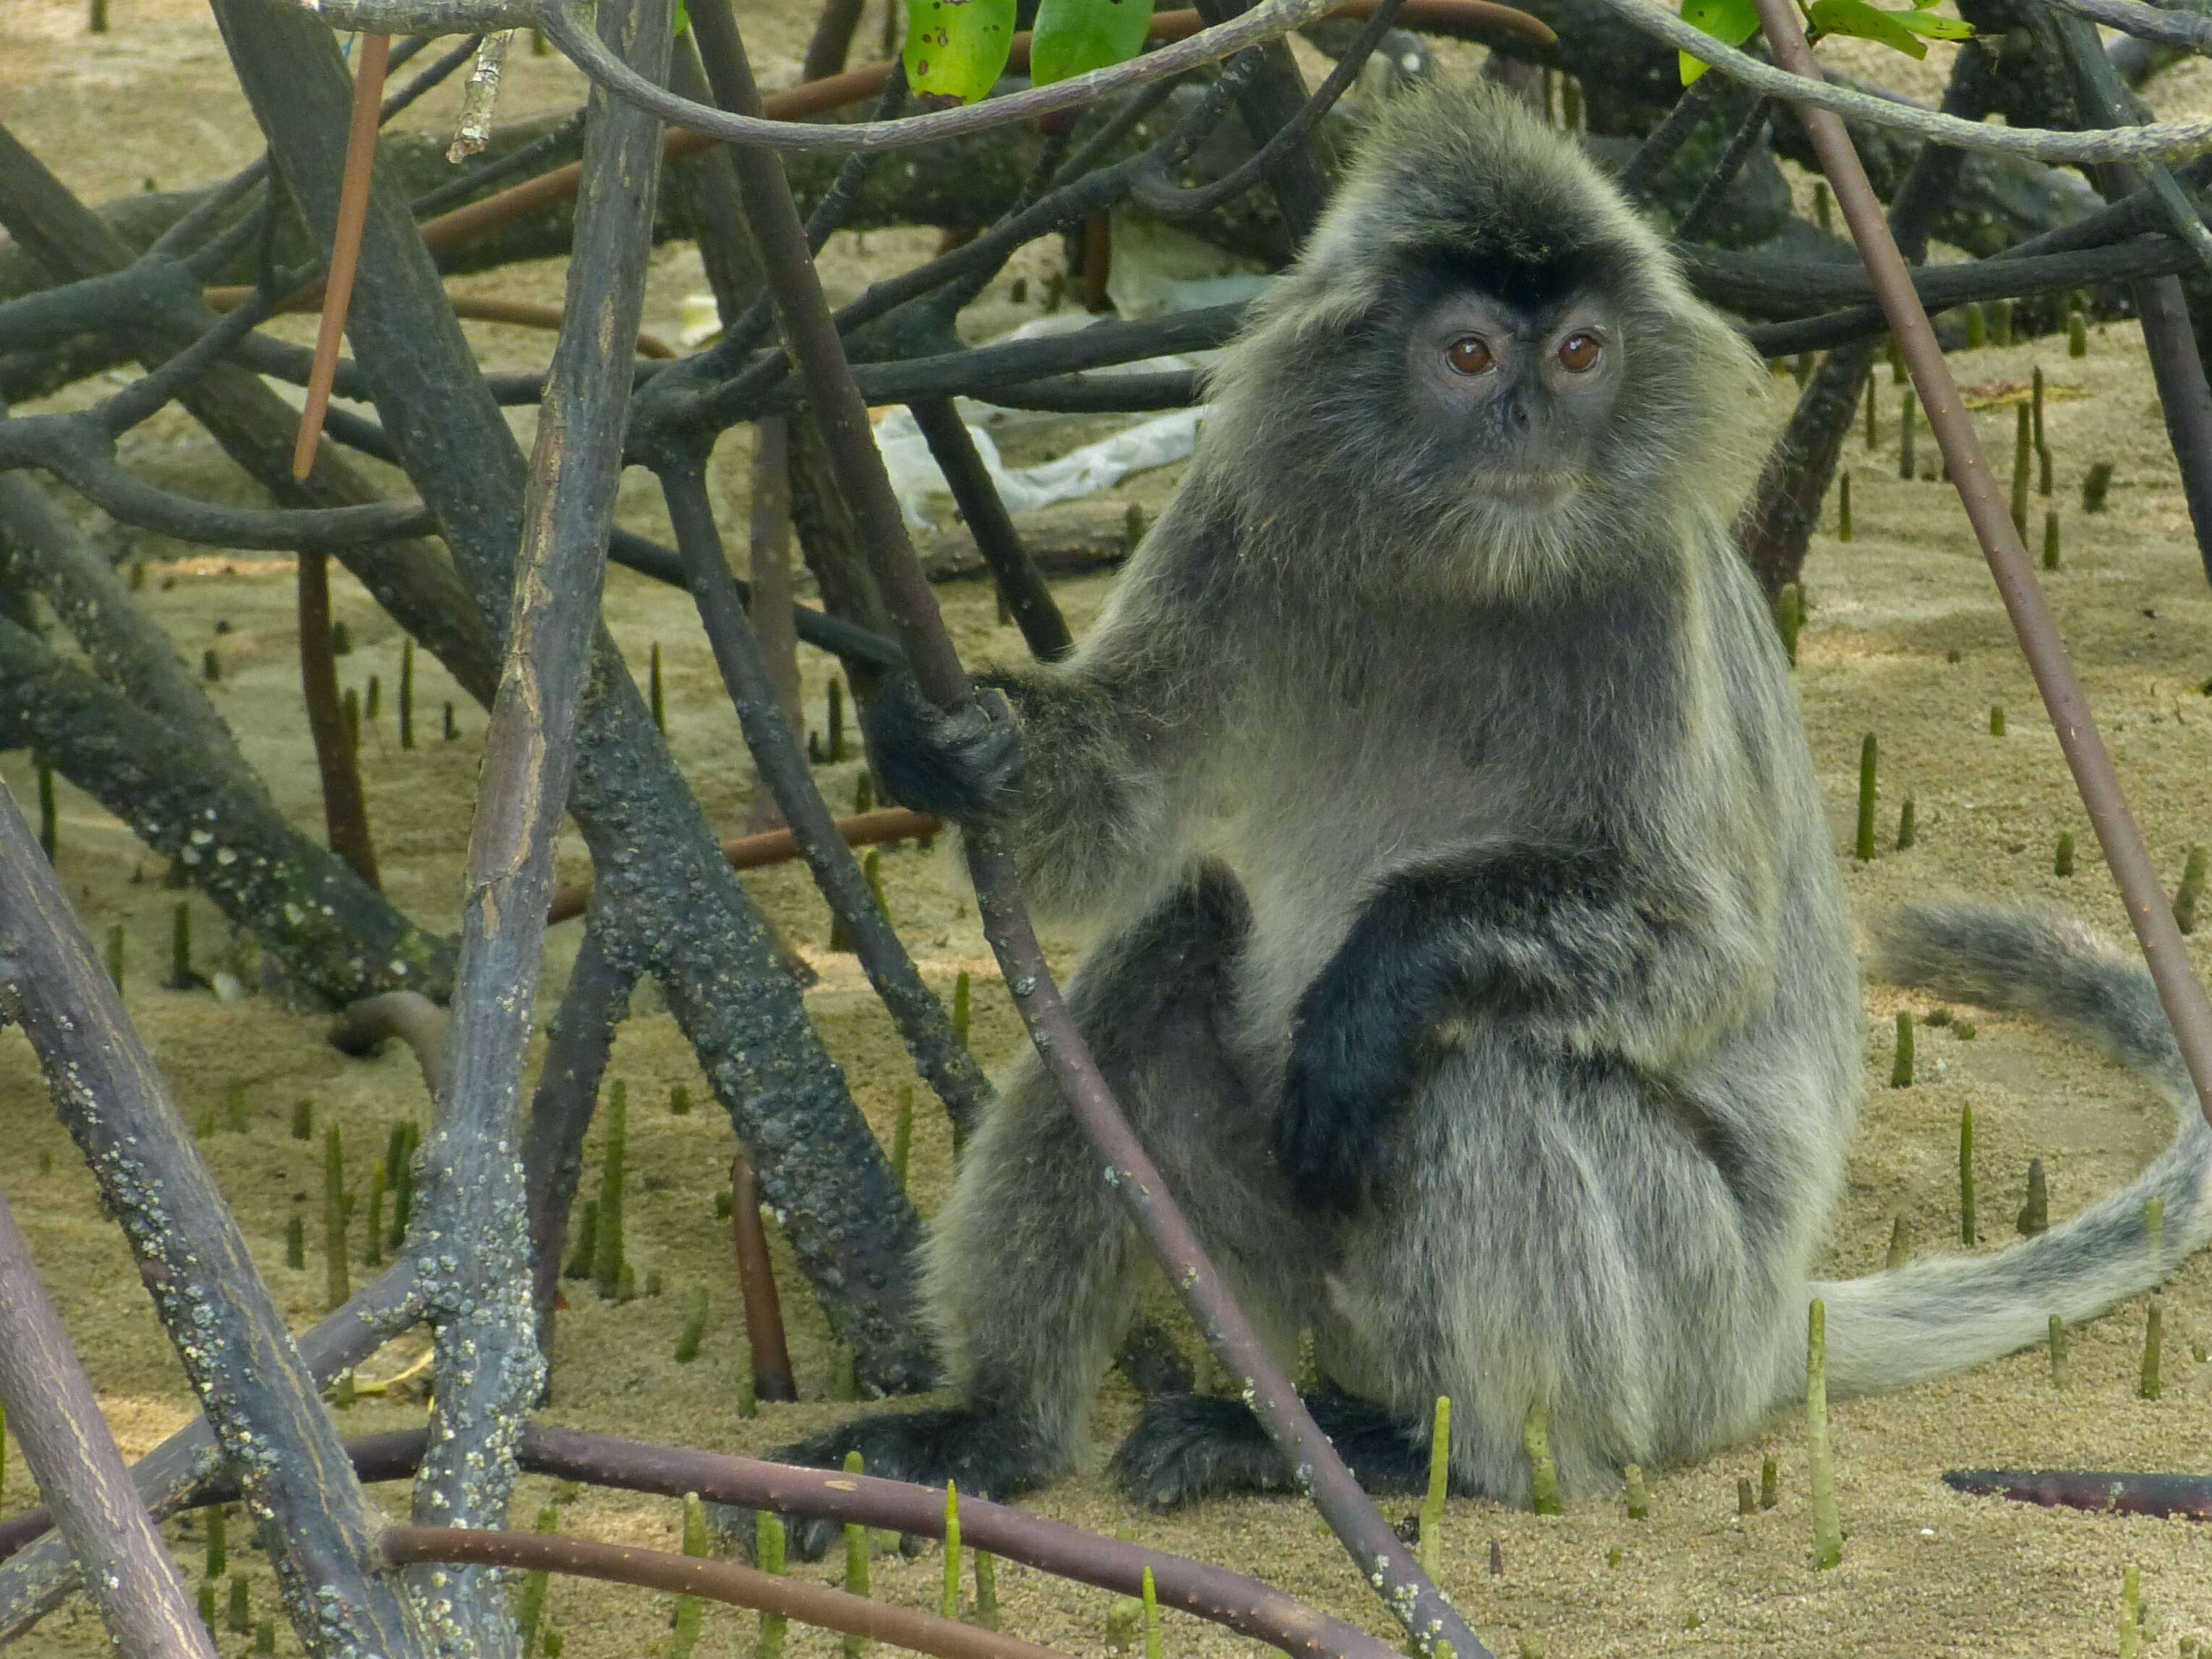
(1459, 846)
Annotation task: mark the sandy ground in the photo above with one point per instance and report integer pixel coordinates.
(1906, 640)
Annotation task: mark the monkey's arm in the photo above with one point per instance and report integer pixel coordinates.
(1584, 952)
(1088, 778)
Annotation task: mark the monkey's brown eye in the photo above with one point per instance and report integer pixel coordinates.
(1470, 353)
(1579, 352)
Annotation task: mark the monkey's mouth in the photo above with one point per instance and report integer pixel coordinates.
(1535, 488)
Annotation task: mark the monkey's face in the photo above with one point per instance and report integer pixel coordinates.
(1485, 374)
(1518, 398)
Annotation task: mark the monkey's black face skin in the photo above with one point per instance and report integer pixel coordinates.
(1520, 395)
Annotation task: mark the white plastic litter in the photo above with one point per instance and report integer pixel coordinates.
(1158, 269)
(917, 482)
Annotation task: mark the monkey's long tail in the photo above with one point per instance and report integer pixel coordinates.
(1893, 1329)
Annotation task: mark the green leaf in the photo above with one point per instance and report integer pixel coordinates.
(957, 49)
(1074, 37)
(1935, 27)
(682, 21)
(1731, 22)
(1865, 22)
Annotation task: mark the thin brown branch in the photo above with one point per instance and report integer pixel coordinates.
(525, 315)
(345, 806)
(1246, 1605)
(1228, 1599)
(716, 1581)
(475, 308)
(775, 846)
(2091, 763)
(2103, 1492)
(771, 1355)
(345, 256)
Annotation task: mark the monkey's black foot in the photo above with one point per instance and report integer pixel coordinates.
(963, 765)
(990, 1453)
(1189, 1446)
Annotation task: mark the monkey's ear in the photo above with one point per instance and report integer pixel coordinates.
(1289, 323)
(1344, 273)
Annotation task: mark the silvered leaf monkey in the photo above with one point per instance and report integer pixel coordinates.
(1472, 955)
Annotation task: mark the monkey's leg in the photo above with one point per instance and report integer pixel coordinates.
(1030, 1273)
(1550, 1227)
(1569, 1229)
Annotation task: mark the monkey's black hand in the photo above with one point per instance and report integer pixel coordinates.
(1349, 1069)
(964, 765)
(1520, 930)
(1353, 1043)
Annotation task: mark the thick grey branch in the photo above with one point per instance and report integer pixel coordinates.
(35, 1576)
(125, 646)
(83, 457)
(334, 935)
(490, 1371)
(250, 1379)
(660, 867)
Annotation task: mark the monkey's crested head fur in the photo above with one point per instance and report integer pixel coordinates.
(1484, 369)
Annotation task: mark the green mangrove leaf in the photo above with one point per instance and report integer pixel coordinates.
(1074, 37)
(956, 50)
